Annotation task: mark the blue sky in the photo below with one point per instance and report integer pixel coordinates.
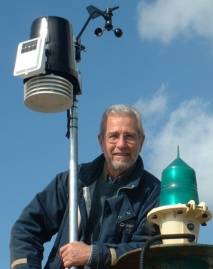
(163, 65)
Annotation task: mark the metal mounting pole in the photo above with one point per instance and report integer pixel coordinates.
(73, 174)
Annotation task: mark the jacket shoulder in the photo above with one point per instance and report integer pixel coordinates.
(152, 180)
(89, 172)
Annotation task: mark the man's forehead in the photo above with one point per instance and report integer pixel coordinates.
(116, 121)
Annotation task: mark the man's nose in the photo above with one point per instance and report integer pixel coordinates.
(121, 141)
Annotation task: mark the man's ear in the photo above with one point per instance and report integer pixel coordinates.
(142, 141)
(100, 140)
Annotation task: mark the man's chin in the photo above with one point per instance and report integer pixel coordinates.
(121, 166)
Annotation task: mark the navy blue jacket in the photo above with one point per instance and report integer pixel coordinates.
(124, 224)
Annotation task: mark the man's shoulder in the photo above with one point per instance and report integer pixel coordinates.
(90, 171)
(151, 177)
(60, 180)
(151, 181)
(146, 176)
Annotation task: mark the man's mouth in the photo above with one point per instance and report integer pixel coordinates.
(121, 154)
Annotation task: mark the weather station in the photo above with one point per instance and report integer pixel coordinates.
(47, 63)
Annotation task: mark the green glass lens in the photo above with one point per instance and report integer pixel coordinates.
(178, 184)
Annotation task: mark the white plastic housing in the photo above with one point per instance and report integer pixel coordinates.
(30, 58)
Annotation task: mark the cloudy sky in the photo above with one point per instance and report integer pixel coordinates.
(162, 65)
(166, 20)
(189, 123)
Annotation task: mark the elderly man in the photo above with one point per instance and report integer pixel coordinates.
(113, 218)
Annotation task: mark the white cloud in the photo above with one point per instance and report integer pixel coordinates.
(155, 105)
(154, 109)
(189, 125)
(167, 19)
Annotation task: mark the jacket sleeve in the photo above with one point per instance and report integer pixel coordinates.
(38, 222)
(107, 255)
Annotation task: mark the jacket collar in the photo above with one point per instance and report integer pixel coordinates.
(89, 172)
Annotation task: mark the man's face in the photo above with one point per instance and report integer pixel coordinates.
(120, 143)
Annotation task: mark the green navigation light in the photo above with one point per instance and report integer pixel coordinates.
(178, 183)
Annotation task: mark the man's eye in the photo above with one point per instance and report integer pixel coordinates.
(113, 136)
(130, 137)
